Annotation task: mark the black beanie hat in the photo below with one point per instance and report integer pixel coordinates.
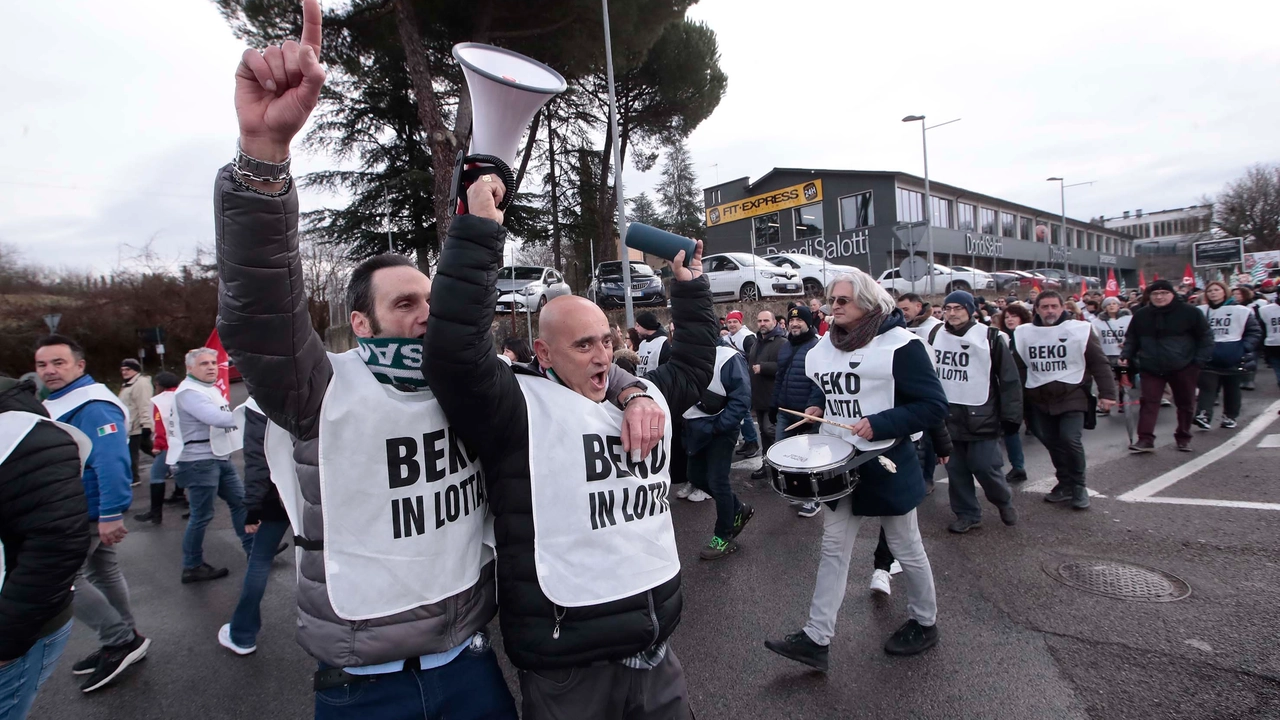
(1159, 285)
(132, 364)
(803, 312)
(648, 321)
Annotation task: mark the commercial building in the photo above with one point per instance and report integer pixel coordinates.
(867, 219)
(1167, 232)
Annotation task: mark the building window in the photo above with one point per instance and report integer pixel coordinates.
(988, 217)
(1008, 224)
(965, 217)
(764, 229)
(1055, 234)
(940, 212)
(808, 221)
(910, 206)
(856, 212)
(1024, 228)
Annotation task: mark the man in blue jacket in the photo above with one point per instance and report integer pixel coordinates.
(102, 596)
(710, 433)
(792, 389)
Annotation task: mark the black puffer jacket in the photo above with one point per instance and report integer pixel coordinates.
(44, 526)
(485, 404)
(261, 499)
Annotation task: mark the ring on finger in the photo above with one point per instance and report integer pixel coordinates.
(486, 178)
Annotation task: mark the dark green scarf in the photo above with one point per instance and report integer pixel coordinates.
(394, 361)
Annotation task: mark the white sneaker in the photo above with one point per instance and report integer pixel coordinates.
(895, 568)
(224, 639)
(697, 496)
(808, 510)
(683, 490)
(880, 583)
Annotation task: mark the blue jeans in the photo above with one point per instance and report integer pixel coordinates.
(749, 434)
(247, 621)
(469, 688)
(709, 471)
(204, 479)
(20, 679)
(1013, 446)
(159, 468)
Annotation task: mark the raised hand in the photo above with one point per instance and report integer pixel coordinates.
(694, 270)
(277, 88)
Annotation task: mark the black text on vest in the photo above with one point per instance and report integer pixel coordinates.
(835, 384)
(443, 456)
(1047, 358)
(1221, 325)
(605, 458)
(952, 364)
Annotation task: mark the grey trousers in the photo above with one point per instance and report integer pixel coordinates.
(1063, 436)
(610, 691)
(839, 528)
(766, 419)
(101, 598)
(980, 460)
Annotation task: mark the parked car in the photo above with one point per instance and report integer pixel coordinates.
(607, 290)
(528, 287)
(945, 280)
(745, 277)
(815, 274)
(1067, 281)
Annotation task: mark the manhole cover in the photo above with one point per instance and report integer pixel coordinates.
(1124, 581)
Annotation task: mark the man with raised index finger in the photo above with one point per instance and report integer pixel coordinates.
(588, 573)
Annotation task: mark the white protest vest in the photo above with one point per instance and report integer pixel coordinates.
(923, 329)
(739, 339)
(222, 441)
(1227, 322)
(1111, 332)
(602, 524)
(1053, 354)
(404, 501)
(64, 405)
(858, 383)
(1270, 324)
(963, 363)
(649, 351)
(167, 408)
(723, 355)
(14, 426)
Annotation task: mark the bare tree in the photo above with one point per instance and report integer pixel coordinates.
(325, 269)
(1249, 207)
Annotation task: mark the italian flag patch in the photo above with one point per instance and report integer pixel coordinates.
(107, 429)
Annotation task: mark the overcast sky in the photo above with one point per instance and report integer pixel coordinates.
(115, 116)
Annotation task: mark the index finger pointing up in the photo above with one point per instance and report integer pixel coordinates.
(311, 22)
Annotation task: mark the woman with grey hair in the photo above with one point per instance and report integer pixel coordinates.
(877, 378)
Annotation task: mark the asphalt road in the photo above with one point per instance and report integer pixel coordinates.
(1016, 643)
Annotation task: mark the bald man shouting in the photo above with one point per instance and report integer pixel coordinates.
(588, 574)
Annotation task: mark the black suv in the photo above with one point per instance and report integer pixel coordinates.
(607, 291)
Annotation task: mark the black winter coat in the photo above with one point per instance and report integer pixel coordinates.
(1164, 340)
(966, 423)
(44, 526)
(764, 352)
(792, 387)
(261, 499)
(486, 406)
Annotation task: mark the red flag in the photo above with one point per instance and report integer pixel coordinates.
(1035, 285)
(1188, 276)
(1113, 287)
(1084, 287)
(1142, 282)
(1155, 276)
(224, 365)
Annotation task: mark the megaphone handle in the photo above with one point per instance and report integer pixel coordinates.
(469, 168)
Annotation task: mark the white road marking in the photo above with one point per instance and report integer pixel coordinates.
(1270, 441)
(1042, 486)
(1205, 502)
(1143, 492)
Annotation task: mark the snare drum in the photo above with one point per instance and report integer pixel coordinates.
(812, 468)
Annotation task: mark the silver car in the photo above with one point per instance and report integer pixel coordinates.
(528, 287)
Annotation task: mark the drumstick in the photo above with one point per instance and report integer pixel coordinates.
(815, 418)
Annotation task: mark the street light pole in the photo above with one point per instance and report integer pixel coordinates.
(1062, 192)
(928, 198)
(623, 255)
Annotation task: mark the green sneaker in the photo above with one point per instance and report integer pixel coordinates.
(741, 519)
(718, 548)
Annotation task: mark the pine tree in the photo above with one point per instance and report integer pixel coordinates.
(642, 210)
(678, 192)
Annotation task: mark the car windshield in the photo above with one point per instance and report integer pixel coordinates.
(614, 269)
(742, 258)
(520, 273)
(783, 262)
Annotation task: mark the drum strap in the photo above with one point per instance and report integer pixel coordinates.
(865, 457)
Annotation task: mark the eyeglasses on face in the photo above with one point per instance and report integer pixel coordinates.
(839, 300)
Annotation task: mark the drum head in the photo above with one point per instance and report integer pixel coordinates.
(809, 453)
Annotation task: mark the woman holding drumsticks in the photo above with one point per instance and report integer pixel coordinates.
(877, 380)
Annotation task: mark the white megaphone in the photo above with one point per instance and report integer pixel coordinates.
(507, 89)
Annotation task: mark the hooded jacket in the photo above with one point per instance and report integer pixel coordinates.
(44, 526)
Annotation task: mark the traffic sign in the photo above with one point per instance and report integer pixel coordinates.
(909, 234)
(1228, 251)
(914, 268)
(52, 321)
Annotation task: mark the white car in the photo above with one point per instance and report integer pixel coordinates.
(945, 280)
(745, 277)
(814, 273)
(527, 287)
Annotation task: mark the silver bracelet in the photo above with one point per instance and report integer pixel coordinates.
(633, 396)
(257, 170)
